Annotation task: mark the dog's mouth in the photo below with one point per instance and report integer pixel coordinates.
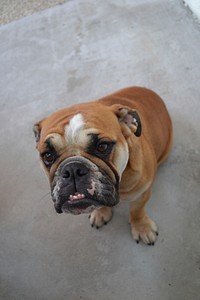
(76, 204)
(77, 196)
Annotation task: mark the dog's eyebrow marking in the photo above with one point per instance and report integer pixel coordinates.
(55, 140)
(74, 127)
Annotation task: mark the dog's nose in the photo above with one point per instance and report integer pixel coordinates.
(74, 170)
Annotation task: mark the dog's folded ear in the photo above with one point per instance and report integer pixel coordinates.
(37, 130)
(37, 127)
(130, 118)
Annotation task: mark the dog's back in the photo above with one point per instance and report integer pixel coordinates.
(155, 119)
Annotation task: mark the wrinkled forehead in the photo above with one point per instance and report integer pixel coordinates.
(79, 131)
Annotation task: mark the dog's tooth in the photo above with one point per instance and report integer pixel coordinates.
(77, 196)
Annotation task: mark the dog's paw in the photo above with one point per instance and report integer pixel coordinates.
(144, 230)
(100, 217)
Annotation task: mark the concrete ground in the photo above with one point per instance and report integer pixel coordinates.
(16, 9)
(76, 52)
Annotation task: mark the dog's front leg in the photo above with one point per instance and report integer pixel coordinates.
(100, 216)
(142, 227)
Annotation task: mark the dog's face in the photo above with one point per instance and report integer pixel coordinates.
(84, 152)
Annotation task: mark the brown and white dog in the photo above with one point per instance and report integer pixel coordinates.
(98, 153)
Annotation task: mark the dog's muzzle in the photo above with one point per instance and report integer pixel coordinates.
(79, 186)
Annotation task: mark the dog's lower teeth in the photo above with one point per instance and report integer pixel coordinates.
(76, 197)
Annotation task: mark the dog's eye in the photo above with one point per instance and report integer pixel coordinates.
(48, 158)
(102, 147)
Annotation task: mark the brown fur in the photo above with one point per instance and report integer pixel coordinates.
(146, 153)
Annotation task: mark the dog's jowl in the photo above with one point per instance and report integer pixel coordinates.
(102, 152)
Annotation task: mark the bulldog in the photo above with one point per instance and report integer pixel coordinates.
(99, 153)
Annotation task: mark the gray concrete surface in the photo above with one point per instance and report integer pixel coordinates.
(11, 10)
(72, 53)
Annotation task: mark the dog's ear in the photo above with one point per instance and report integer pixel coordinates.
(37, 131)
(130, 118)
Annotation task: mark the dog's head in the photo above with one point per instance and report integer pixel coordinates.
(84, 152)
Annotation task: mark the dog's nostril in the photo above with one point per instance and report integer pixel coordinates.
(81, 172)
(75, 170)
(66, 174)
